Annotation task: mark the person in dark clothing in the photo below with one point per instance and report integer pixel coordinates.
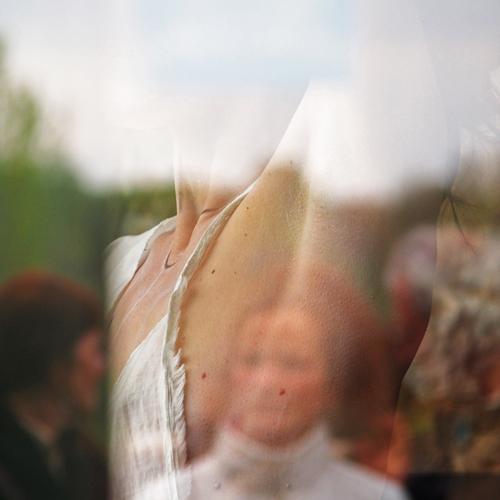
(51, 363)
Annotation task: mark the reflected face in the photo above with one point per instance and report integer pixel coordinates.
(279, 378)
(86, 371)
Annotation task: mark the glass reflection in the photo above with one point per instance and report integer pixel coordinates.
(291, 373)
(294, 241)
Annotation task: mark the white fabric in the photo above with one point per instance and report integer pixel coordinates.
(125, 255)
(238, 469)
(146, 405)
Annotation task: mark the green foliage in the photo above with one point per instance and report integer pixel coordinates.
(142, 208)
(20, 120)
(47, 220)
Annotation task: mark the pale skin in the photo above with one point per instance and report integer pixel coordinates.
(389, 130)
(145, 300)
(282, 224)
(279, 226)
(368, 132)
(280, 378)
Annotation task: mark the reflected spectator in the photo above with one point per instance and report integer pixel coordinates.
(371, 450)
(409, 277)
(275, 441)
(51, 364)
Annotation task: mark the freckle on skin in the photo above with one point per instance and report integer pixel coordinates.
(213, 271)
(203, 375)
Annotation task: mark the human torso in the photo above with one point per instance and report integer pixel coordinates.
(329, 197)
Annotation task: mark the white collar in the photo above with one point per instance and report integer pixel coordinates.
(264, 469)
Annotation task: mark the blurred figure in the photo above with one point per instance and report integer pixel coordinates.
(372, 451)
(409, 277)
(451, 390)
(455, 376)
(275, 441)
(51, 364)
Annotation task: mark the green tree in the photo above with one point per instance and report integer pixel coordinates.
(47, 220)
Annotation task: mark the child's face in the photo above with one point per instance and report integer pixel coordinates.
(279, 378)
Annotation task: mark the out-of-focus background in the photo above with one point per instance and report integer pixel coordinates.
(53, 215)
(71, 182)
(62, 200)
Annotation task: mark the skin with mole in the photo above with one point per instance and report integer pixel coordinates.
(284, 225)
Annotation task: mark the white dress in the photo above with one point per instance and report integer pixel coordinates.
(146, 404)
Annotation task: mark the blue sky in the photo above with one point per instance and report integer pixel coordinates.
(67, 52)
(280, 42)
(73, 55)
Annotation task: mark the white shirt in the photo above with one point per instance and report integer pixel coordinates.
(240, 469)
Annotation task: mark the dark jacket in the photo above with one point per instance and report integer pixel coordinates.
(24, 468)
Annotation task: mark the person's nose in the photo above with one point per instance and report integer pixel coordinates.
(268, 380)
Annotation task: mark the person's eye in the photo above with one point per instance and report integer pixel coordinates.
(252, 359)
